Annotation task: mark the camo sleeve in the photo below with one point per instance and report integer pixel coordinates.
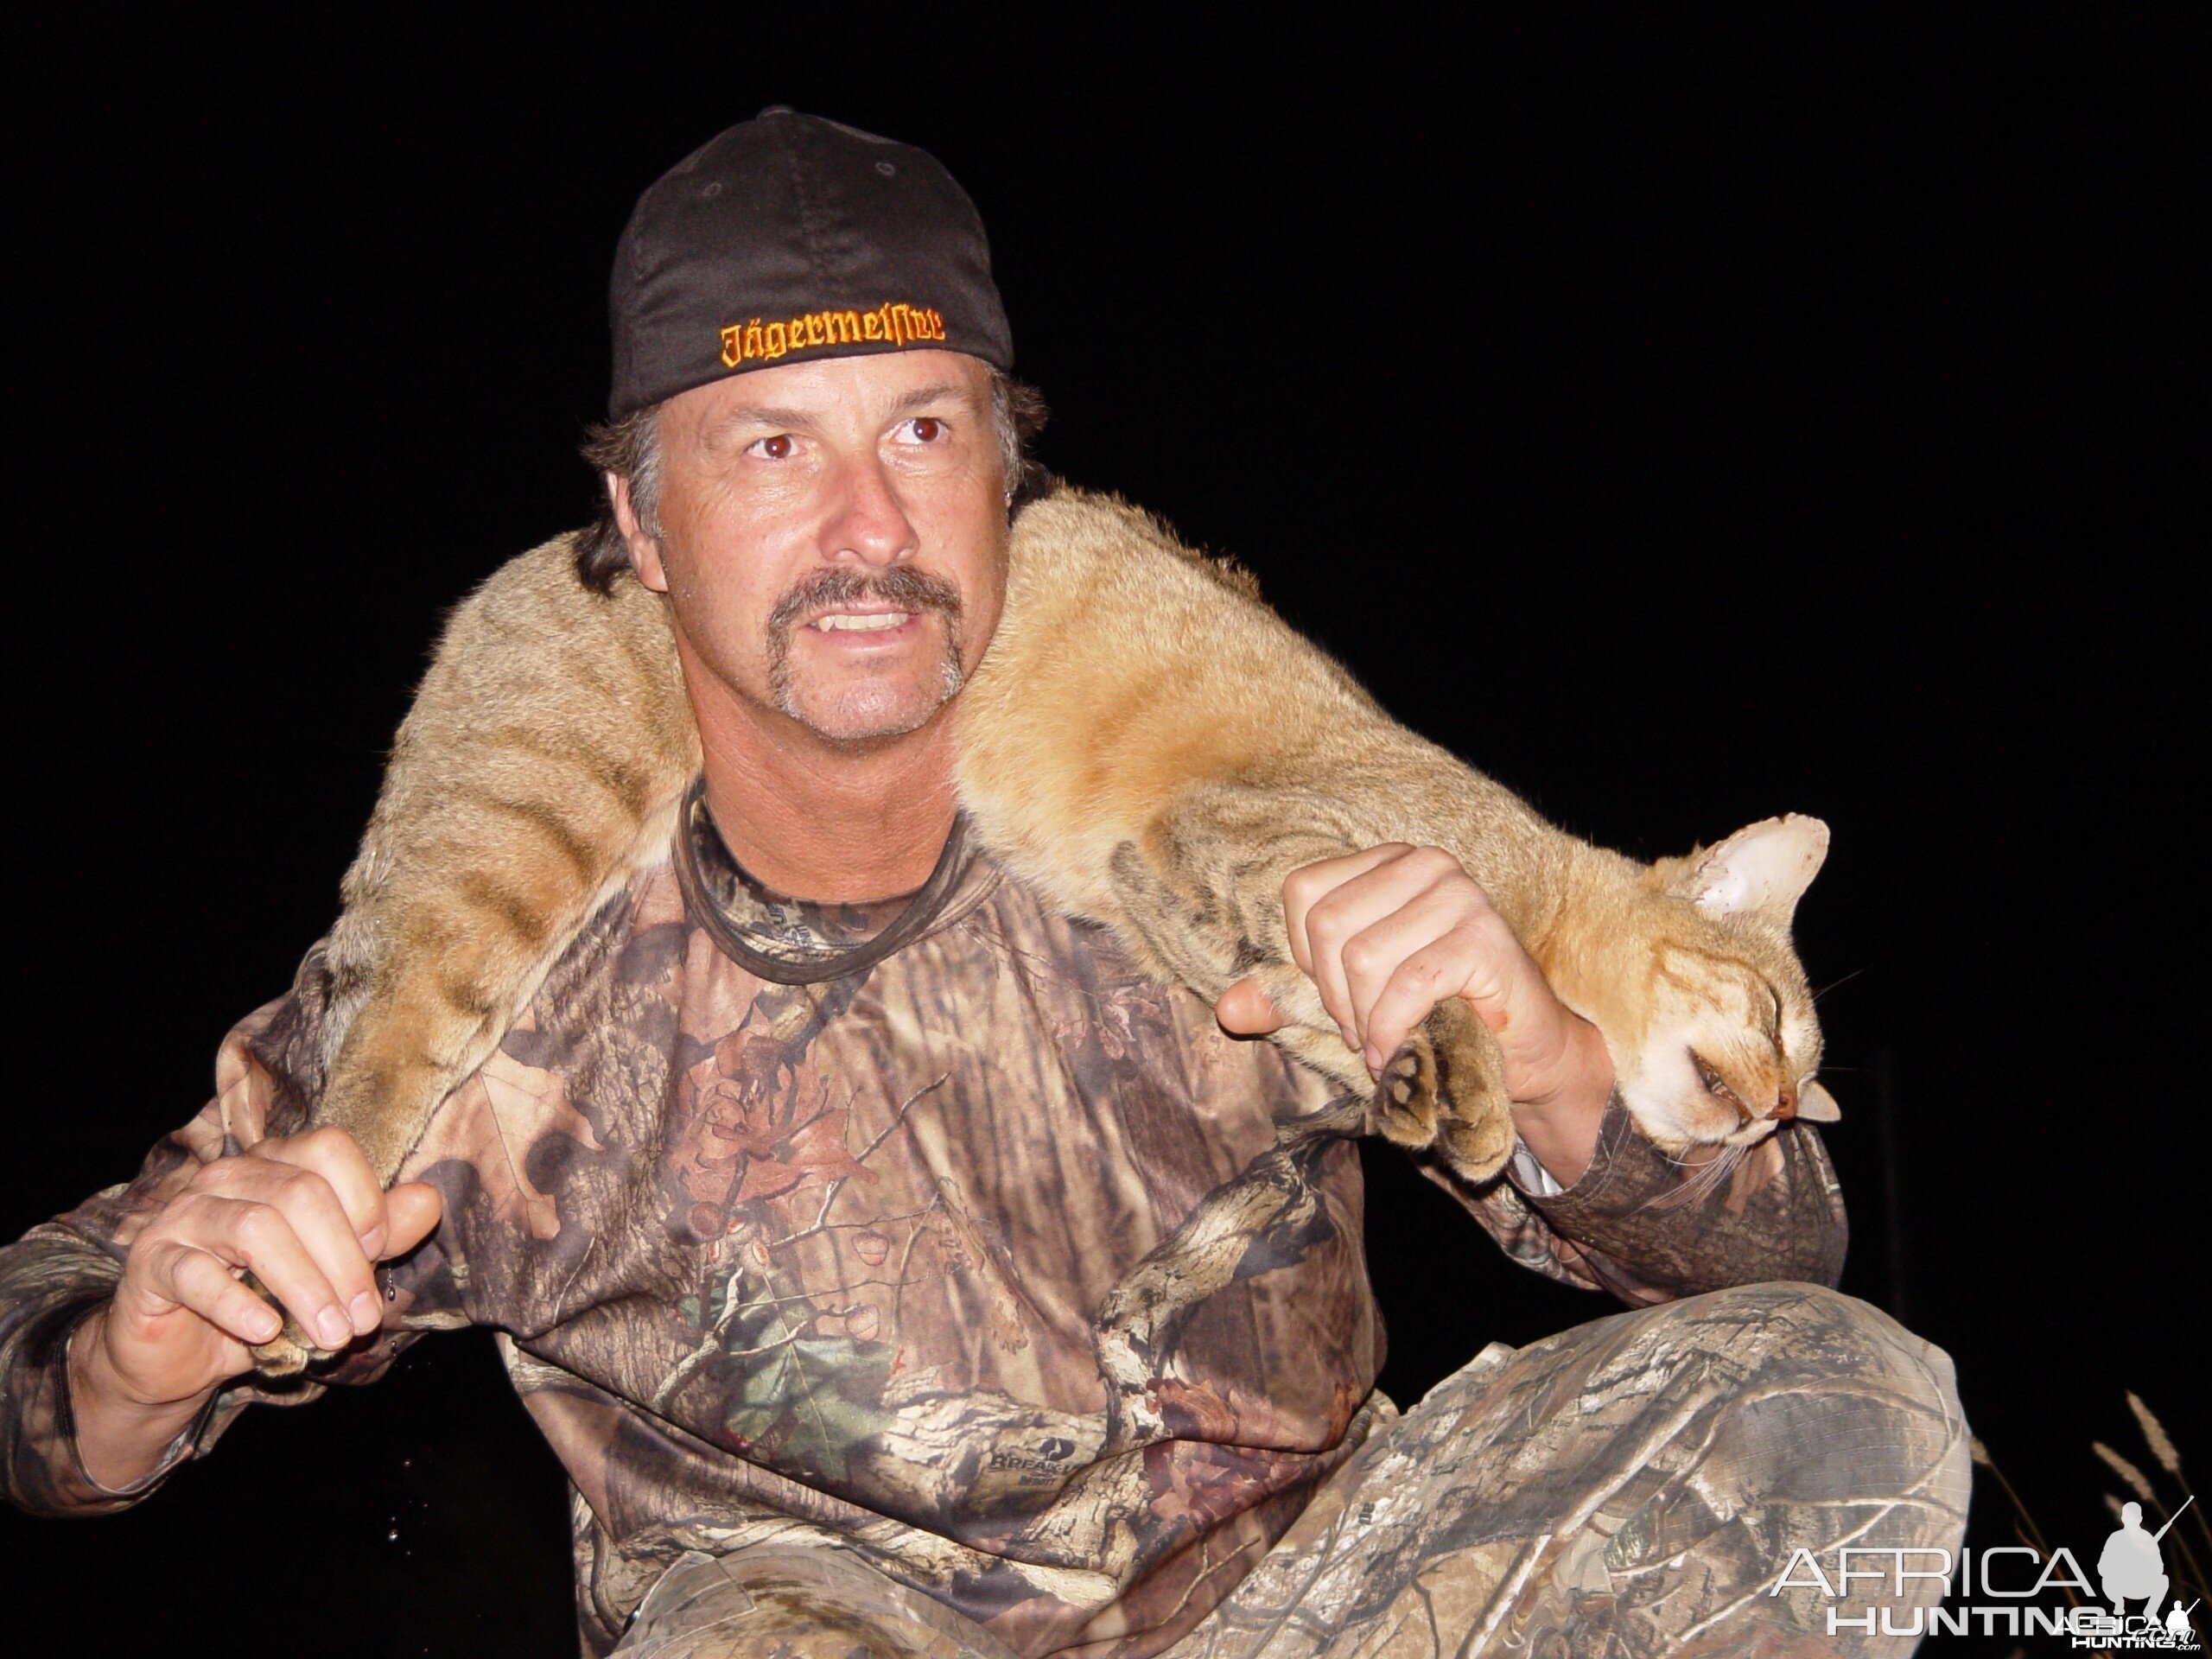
(267, 1072)
(1648, 1229)
(49, 1280)
(52, 1278)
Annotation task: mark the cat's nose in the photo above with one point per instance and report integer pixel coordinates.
(1785, 1107)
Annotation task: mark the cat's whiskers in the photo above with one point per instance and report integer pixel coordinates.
(1835, 984)
(1720, 1169)
(1709, 1172)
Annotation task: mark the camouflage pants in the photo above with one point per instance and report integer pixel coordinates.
(1633, 1486)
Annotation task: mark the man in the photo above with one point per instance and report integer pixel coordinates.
(2130, 1566)
(808, 1193)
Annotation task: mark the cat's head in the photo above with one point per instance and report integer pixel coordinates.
(1715, 1040)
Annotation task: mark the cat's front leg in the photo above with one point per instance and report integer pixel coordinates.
(1444, 1087)
(1204, 908)
(291, 1350)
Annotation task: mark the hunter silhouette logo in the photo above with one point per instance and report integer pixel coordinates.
(2130, 1566)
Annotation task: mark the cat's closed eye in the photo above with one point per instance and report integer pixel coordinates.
(1714, 1086)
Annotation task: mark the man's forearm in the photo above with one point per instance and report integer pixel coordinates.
(53, 1281)
(1562, 1136)
(1559, 1126)
(120, 1440)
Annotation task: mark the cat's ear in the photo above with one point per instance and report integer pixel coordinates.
(1761, 870)
(1816, 1105)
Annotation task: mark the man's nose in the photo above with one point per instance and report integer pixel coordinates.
(867, 521)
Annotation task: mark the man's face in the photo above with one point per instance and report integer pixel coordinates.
(833, 538)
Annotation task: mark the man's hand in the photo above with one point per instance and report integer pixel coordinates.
(306, 1215)
(1387, 934)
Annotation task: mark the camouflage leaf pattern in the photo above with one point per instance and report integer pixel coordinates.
(987, 1261)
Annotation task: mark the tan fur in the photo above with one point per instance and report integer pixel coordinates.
(544, 753)
(1148, 744)
(1137, 698)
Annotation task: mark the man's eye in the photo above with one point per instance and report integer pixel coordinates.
(777, 448)
(925, 428)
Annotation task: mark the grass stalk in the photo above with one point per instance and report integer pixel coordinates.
(2167, 1458)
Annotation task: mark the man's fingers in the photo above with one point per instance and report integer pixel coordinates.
(411, 1210)
(332, 1239)
(1358, 932)
(1411, 892)
(1420, 982)
(334, 1155)
(1245, 1010)
(250, 1233)
(1426, 929)
(194, 1279)
(1387, 934)
(1474, 956)
(1309, 884)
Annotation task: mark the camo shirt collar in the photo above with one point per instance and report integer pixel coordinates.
(797, 941)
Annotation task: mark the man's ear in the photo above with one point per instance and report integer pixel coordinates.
(1761, 870)
(644, 551)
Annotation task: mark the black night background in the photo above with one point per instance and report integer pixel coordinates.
(1684, 414)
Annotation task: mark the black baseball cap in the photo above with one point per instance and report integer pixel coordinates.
(790, 238)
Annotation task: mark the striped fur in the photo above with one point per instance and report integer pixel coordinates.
(1149, 744)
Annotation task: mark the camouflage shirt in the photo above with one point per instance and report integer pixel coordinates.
(928, 1227)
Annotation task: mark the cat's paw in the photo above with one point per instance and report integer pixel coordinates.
(288, 1352)
(1445, 1088)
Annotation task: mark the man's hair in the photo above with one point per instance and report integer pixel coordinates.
(631, 447)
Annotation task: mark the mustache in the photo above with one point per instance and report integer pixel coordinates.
(904, 590)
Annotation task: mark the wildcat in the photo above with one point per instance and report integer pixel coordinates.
(1164, 787)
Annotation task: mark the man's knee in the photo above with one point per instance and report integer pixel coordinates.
(1811, 1329)
(1830, 1399)
(794, 1603)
